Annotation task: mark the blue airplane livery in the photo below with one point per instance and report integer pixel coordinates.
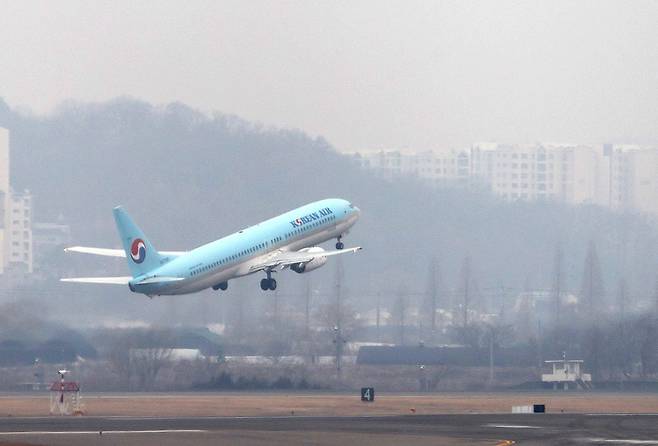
(288, 241)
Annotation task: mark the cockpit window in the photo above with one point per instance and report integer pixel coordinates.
(351, 206)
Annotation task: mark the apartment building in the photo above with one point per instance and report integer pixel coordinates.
(15, 218)
(573, 174)
(620, 177)
(634, 178)
(437, 168)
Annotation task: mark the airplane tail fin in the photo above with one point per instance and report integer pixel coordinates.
(141, 255)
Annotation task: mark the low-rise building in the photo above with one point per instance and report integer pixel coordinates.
(567, 373)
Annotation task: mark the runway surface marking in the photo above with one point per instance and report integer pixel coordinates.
(155, 431)
(511, 426)
(624, 414)
(621, 441)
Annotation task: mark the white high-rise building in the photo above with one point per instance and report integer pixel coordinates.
(16, 218)
(4, 194)
(634, 179)
(573, 174)
(619, 177)
(19, 230)
(437, 168)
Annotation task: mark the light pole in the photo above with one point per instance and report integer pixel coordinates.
(339, 341)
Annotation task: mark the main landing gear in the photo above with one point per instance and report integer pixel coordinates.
(269, 283)
(339, 244)
(220, 286)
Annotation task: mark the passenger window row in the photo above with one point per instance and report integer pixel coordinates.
(259, 247)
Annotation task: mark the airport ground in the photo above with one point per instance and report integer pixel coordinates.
(327, 419)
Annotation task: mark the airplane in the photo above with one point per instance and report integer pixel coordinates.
(288, 241)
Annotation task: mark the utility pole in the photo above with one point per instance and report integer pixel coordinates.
(240, 316)
(540, 345)
(338, 335)
(621, 310)
(307, 309)
(557, 285)
(338, 290)
(466, 276)
(592, 284)
(491, 355)
(379, 297)
(502, 301)
(400, 313)
(276, 310)
(339, 342)
(655, 299)
(621, 300)
(432, 285)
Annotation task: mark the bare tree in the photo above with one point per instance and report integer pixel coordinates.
(494, 335)
(140, 354)
(118, 356)
(378, 316)
(236, 315)
(620, 344)
(466, 290)
(648, 345)
(147, 362)
(400, 312)
(622, 298)
(307, 307)
(593, 291)
(591, 308)
(338, 284)
(557, 285)
(326, 317)
(276, 317)
(433, 283)
(655, 300)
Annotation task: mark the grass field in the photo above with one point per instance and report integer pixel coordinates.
(279, 404)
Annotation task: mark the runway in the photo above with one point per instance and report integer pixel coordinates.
(467, 429)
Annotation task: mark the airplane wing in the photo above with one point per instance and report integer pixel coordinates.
(108, 280)
(282, 259)
(108, 252)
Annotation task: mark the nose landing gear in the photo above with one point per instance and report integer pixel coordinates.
(339, 244)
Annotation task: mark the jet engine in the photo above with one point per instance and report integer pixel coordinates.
(316, 263)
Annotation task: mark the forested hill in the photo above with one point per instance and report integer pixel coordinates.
(189, 178)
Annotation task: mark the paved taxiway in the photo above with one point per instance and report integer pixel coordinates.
(539, 429)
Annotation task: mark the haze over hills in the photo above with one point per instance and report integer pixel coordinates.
(188, 178)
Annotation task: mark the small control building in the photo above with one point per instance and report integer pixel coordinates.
(567, 373)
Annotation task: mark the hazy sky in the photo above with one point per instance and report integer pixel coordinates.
(364, 74)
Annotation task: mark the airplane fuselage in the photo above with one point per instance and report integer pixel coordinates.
(237, 254)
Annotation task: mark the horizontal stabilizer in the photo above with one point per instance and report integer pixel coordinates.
(108, 252)
(108, 280)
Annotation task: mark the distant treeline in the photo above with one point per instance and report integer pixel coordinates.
(14, 353)
(226, 381)
(517, 356)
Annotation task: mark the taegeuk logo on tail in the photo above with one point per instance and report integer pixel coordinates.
(138, 250)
